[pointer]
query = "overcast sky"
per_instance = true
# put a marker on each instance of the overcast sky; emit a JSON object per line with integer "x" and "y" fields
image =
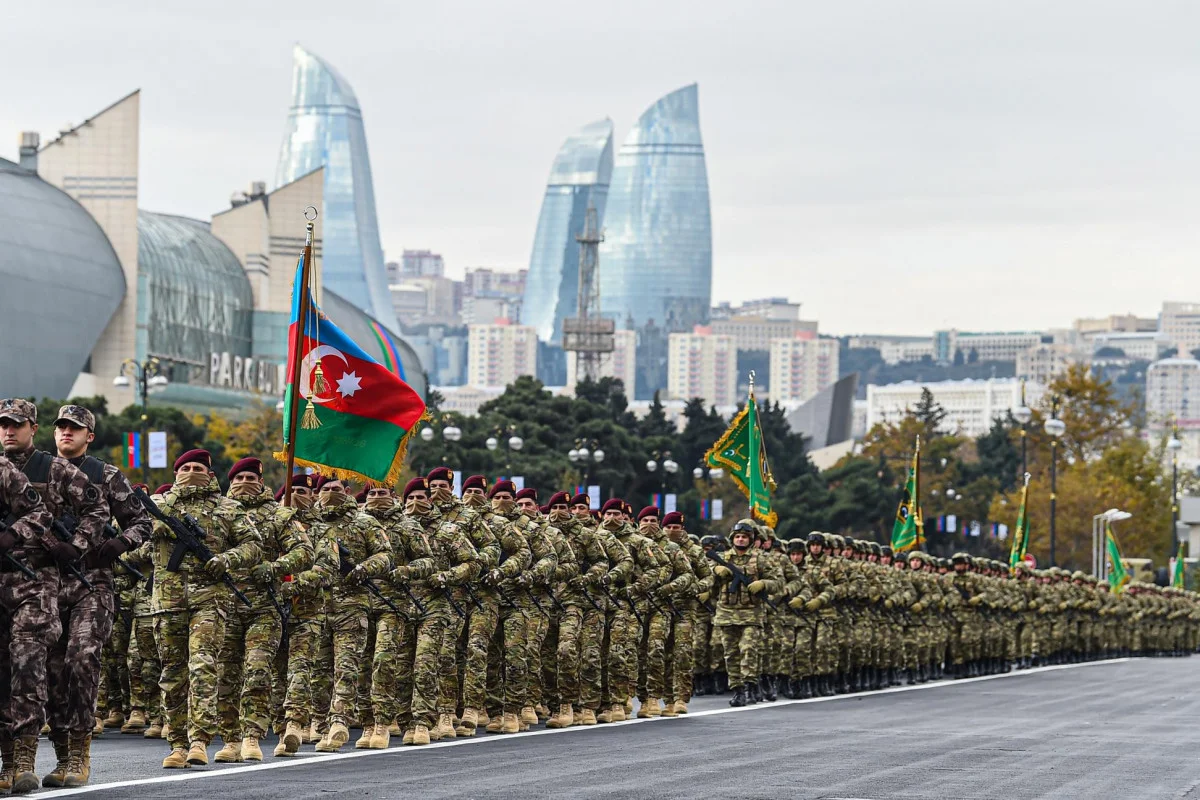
{"x": 893, "y": 166}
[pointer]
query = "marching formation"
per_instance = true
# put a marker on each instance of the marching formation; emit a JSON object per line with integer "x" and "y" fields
{"x": 193, "y": 614}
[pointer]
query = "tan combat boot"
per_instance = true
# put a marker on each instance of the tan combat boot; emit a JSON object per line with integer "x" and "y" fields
{"x": 155, "y": 731}
{"x": 495, "y": 724}
{"x": 445, "y": 726}
{"x": 681, "y": 707}
{"x": 166, "y": 731}
{"x": 281, "y": 750}
{"x": 529, "y": 716}
{"x": 586, "y": 717}
{"x": 628, "y": 708}
{"x": 553, "y": 722}
{"x": 618, "y": 712}
{"x": 136, "y": 722}
{"x": 381, "y": 737}
{"x": 394, "y": 728}
{"x": 482, "y": 718}
{"x": 99, "y": 729}
{"x": 542, "y": 711}
{"x": 62, "y": 752}
{"x": 250, "y": 749}
{"x": 313, "y": 734}
{"x": 115, "y": 719}
{"x": 79, "y": 766}
{"x": 668, "y": 709}
{"x": 176, "y": 760}
{"x": 25, "y": 780}
{"x": 364, "y": 742}
{"x": 470, "y": 721}
{"x": 338, "y": 735}
{"x": 407, "y": 738}
{"x": 231, "y": 753}
{"x": 198, "y": 753}
{"x": 292, "y": 738}
{"x": 566, "y": 715}
{"x": 509, "y": 723}
{"x": 604, "y": 716}
{"x": 9, "y": 768}
{"x": 420, "y": 735}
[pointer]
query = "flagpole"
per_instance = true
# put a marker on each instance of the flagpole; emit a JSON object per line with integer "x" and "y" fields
{"x": 297, "y": 357}
{"x": 753, "y": 418}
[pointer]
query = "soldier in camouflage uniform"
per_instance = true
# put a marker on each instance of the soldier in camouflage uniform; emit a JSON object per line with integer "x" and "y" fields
{"x": 677, "y": 586}
{"x": 87, "y": 619}
{"x": 798, "y": 661}
{"x": 191, "y": 605}
{"x": 366, "y": 546}
{"x": 818, "y": 597}
{"x": 740, "y": 607}
{"x": 483, "y": 624}
{"x": 680, "y": 647}
{"x": 705, "y": 681}
{"x": 254, "y": 634}
{"x": 487, "y": 548}
{"x": 966, "y": 641}
{"x": 80, "y": 512}
{"x": 560, "y": 668}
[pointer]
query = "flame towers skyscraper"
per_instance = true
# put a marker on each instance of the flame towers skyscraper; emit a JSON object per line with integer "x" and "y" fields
{"x": 325, "y": 129}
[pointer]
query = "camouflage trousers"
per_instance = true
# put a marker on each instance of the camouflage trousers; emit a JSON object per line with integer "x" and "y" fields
{"x": 508, "y": 665}
{"x": 145, "y": 669}
{"x": 419, "y": 654}
{"x": 652, "y": 652}
{"x": 562, "y": 681}
{"x": 73, "y": 662}
{"x": 825, "y": 657}
{"x": 188, "y": 645}
{"x": 303, "y": 640}
{"x": 591, "y": 665}
{"x": 548, "y": 663}
{"x": 322, "y": 674}
{"x": 966, "y": 643}
{"x": 624, "y": 634}
{"x": 361, "y": 710}
{"x": 803, "y": 645}
{"x": 743, "y": 652}
{"x": 391, "y": 679}
{"x": 448, "y": 680}
{"x": 29, "y": 625}
{"x": 678, "y": 658}
{"x": 701, "y": 644}
{"x": 247, "y": 654}
{"x": 772, "y": 642}
{"x": 536, "y": 630}
{"x": 116, "y": 676}
{"x": 481, "y": 627}
{"x": 348, "y": 634}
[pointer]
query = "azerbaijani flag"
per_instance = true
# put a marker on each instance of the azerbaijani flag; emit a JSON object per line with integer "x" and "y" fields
{"x": 364, "y": 412}
{"x": 133, "y": 450}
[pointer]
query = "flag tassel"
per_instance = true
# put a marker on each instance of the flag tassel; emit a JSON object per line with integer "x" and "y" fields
{"x": 309, "y": 421}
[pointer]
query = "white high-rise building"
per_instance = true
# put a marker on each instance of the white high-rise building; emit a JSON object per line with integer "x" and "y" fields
{"x": 498, "y": 354}
{"x": 802, "y": 366}
{"x": 1173, "y": 393}
{"x": 702, "y": 364}
{"x": 1180, "y": 324}
{"x": 970, "y": 405}
{"x": 620, "y": 363}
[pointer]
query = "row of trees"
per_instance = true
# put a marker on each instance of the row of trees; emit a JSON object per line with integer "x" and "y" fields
{"x": 1103, "y": 463}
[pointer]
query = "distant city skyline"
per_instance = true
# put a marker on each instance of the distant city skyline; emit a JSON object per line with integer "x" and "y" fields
{"x": 983, "y": 166}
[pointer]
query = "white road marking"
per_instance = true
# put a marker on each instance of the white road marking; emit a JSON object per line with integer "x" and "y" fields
{"x": 311, "y": 759}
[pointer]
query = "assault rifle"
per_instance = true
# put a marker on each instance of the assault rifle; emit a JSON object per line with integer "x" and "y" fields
{"x": 346, "y": 565}
{"x": 5, "y": 520}
{"x": 189, "y": 538}
{"x": 740, "y": 580}
{"x": 63, "y": 535}
{"x": 71, "y": 523}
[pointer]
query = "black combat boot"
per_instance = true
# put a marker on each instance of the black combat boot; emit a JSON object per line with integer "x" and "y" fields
{"x": 699, "y": 685}
{"x": 771, "y": 690}
{"x": 722, "y": 682}
{"x": 739, "y": 697}
{"x": 804, "y": 688}
{"x": 752, "y": 696}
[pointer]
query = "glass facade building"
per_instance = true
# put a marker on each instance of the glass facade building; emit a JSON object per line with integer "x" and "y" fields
{"x": 579, "y": 178}
{"x": 325, "y": 129}
{"x": 656, "y": 259}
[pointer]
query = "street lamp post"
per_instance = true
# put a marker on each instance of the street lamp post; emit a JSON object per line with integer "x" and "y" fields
{"x": 450, "y": 433}
{"x": 1023, "y": 414}
{"x": 669, "y": 467}
{"x": 514, "y": 442}
{"x": 708, "y": 475}
{"x": 1174, "y": 445}
{"x": 1055, "y": 428}
{"x": 581, "y": 455}
{"x": 148, "y": 376}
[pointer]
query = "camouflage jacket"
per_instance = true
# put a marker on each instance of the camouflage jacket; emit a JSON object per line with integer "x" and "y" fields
{"x": 131, "y": 518}
{"x": 701, "y": 572}
{"x": 542, "y": 561}
{"x": 651, "y": 568}
{"x": 738, "y": 606}
{"x": 366, "y": 545}
{"x": 479, "y": 533}
{"x": 285, "y": 545}
{"x": 454, "y": 559}
{"x": 591, "y": 563}
{"x": 30, "y": 517}
{"x": 227, "y": 534}
{"x": 680, "y": 582}
{"x": 515, "y": 555}
{"x": 67, "y": 491}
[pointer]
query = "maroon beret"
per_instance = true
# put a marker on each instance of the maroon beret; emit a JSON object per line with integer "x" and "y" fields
{"x": 503, "y": 486}
{"x": 325, "y": 479}
{"x": 164, "y": 488}
{"x": 305, "y": 480}
{"x": 279, "y": 494}
{"x": 673, "y": 518}
{"x": 649, "y": 511}
{"x": 529, "y": 492}
{"x": 475, "y": 482}
{"x": 559, "y": 499}
{"x": 417, "y": 483}
{"x": 628, "y": 509}
{"x": 595, "y": 513}
{"x": 441, "y": 474}
{"x": 361, "y": 497}
{"x": 615, "y": 504}
{"x": 194, "y": 456}
{"x": 247, "y": 464}
{"x": 581, "y": 500}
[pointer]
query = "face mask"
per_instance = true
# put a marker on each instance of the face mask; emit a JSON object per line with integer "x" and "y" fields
{"x": 441, "y": 496}
{"x": 241, "y": 491}
{"x": 648, "y": 527}
{"x": 191, "y": 479}
{"x": 418, "y": 508}
{"x": 302, "y": 501}
{"x": 332, "y": 498}
{"x": 503, "y": 506}
{"x": 560, "y": 516}
{"x": 612, "y": 524}
{"x": 475, "y": 500}
{"x": 379, "y": 503}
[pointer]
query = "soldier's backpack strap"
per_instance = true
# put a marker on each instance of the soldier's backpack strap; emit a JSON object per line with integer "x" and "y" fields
{"x": 37, "y": 468}
{"x": 93, "y": 468}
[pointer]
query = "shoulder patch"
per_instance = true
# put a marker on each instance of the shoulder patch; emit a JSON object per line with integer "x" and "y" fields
{"x": 91, "y": 494}
{"x": 31, "y": 495}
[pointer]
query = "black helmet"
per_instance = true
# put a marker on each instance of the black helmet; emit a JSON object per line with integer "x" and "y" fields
{"x": 817, "y": 537}
{"x": 795, "y": 545}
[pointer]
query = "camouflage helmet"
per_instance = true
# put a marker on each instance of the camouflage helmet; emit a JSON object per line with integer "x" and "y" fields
{"x": 960, "y": 558}
{"x": 709, "y": 541}
{"x": 816, "y": 537}
{"x": 1078, "y": 575}
{"x": 918, "y": 555}
{"x": 886, "y": 551}
{"x": 795, "y": 545}
{"x": 744, "y": 526}
{"x": 899, "y": 558}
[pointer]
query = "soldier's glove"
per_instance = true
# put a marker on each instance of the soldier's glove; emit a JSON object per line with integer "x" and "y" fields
{"x": 64, "y": 552}
{"x": 356, "y": 576}
{"x": 814, "y": 604}
{"x": 757, "y": 587}
{"x": 1063, "y": 606}
{"x": 663, "y": 592}
{"x": 216, "y": 567}
{"x": 976, "y": 600}
{"x": 263, "y": 573}
{"x": 8, "y": 540}
{"x": 918, "y": 606}
{"x": 703, "y": 597}
{"x": 525, "y": 580}
{"x": 401, "y": 576}
{"x": 608, "y": 578}
{"x": 889, "y": 603}
{"x": 494, "y": 577}
{"x": 797, "y": 603}
{"x": 287, "y": 591}
{"x": 635, "y": 593}
{"x": 723, "y": 571}
{"x": 441, "y": 580}
{"x": 110, "y": 551}
{"x": 578, "y": 583}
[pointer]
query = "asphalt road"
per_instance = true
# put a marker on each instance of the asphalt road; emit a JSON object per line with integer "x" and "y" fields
{"x": 1122, "y": 729}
